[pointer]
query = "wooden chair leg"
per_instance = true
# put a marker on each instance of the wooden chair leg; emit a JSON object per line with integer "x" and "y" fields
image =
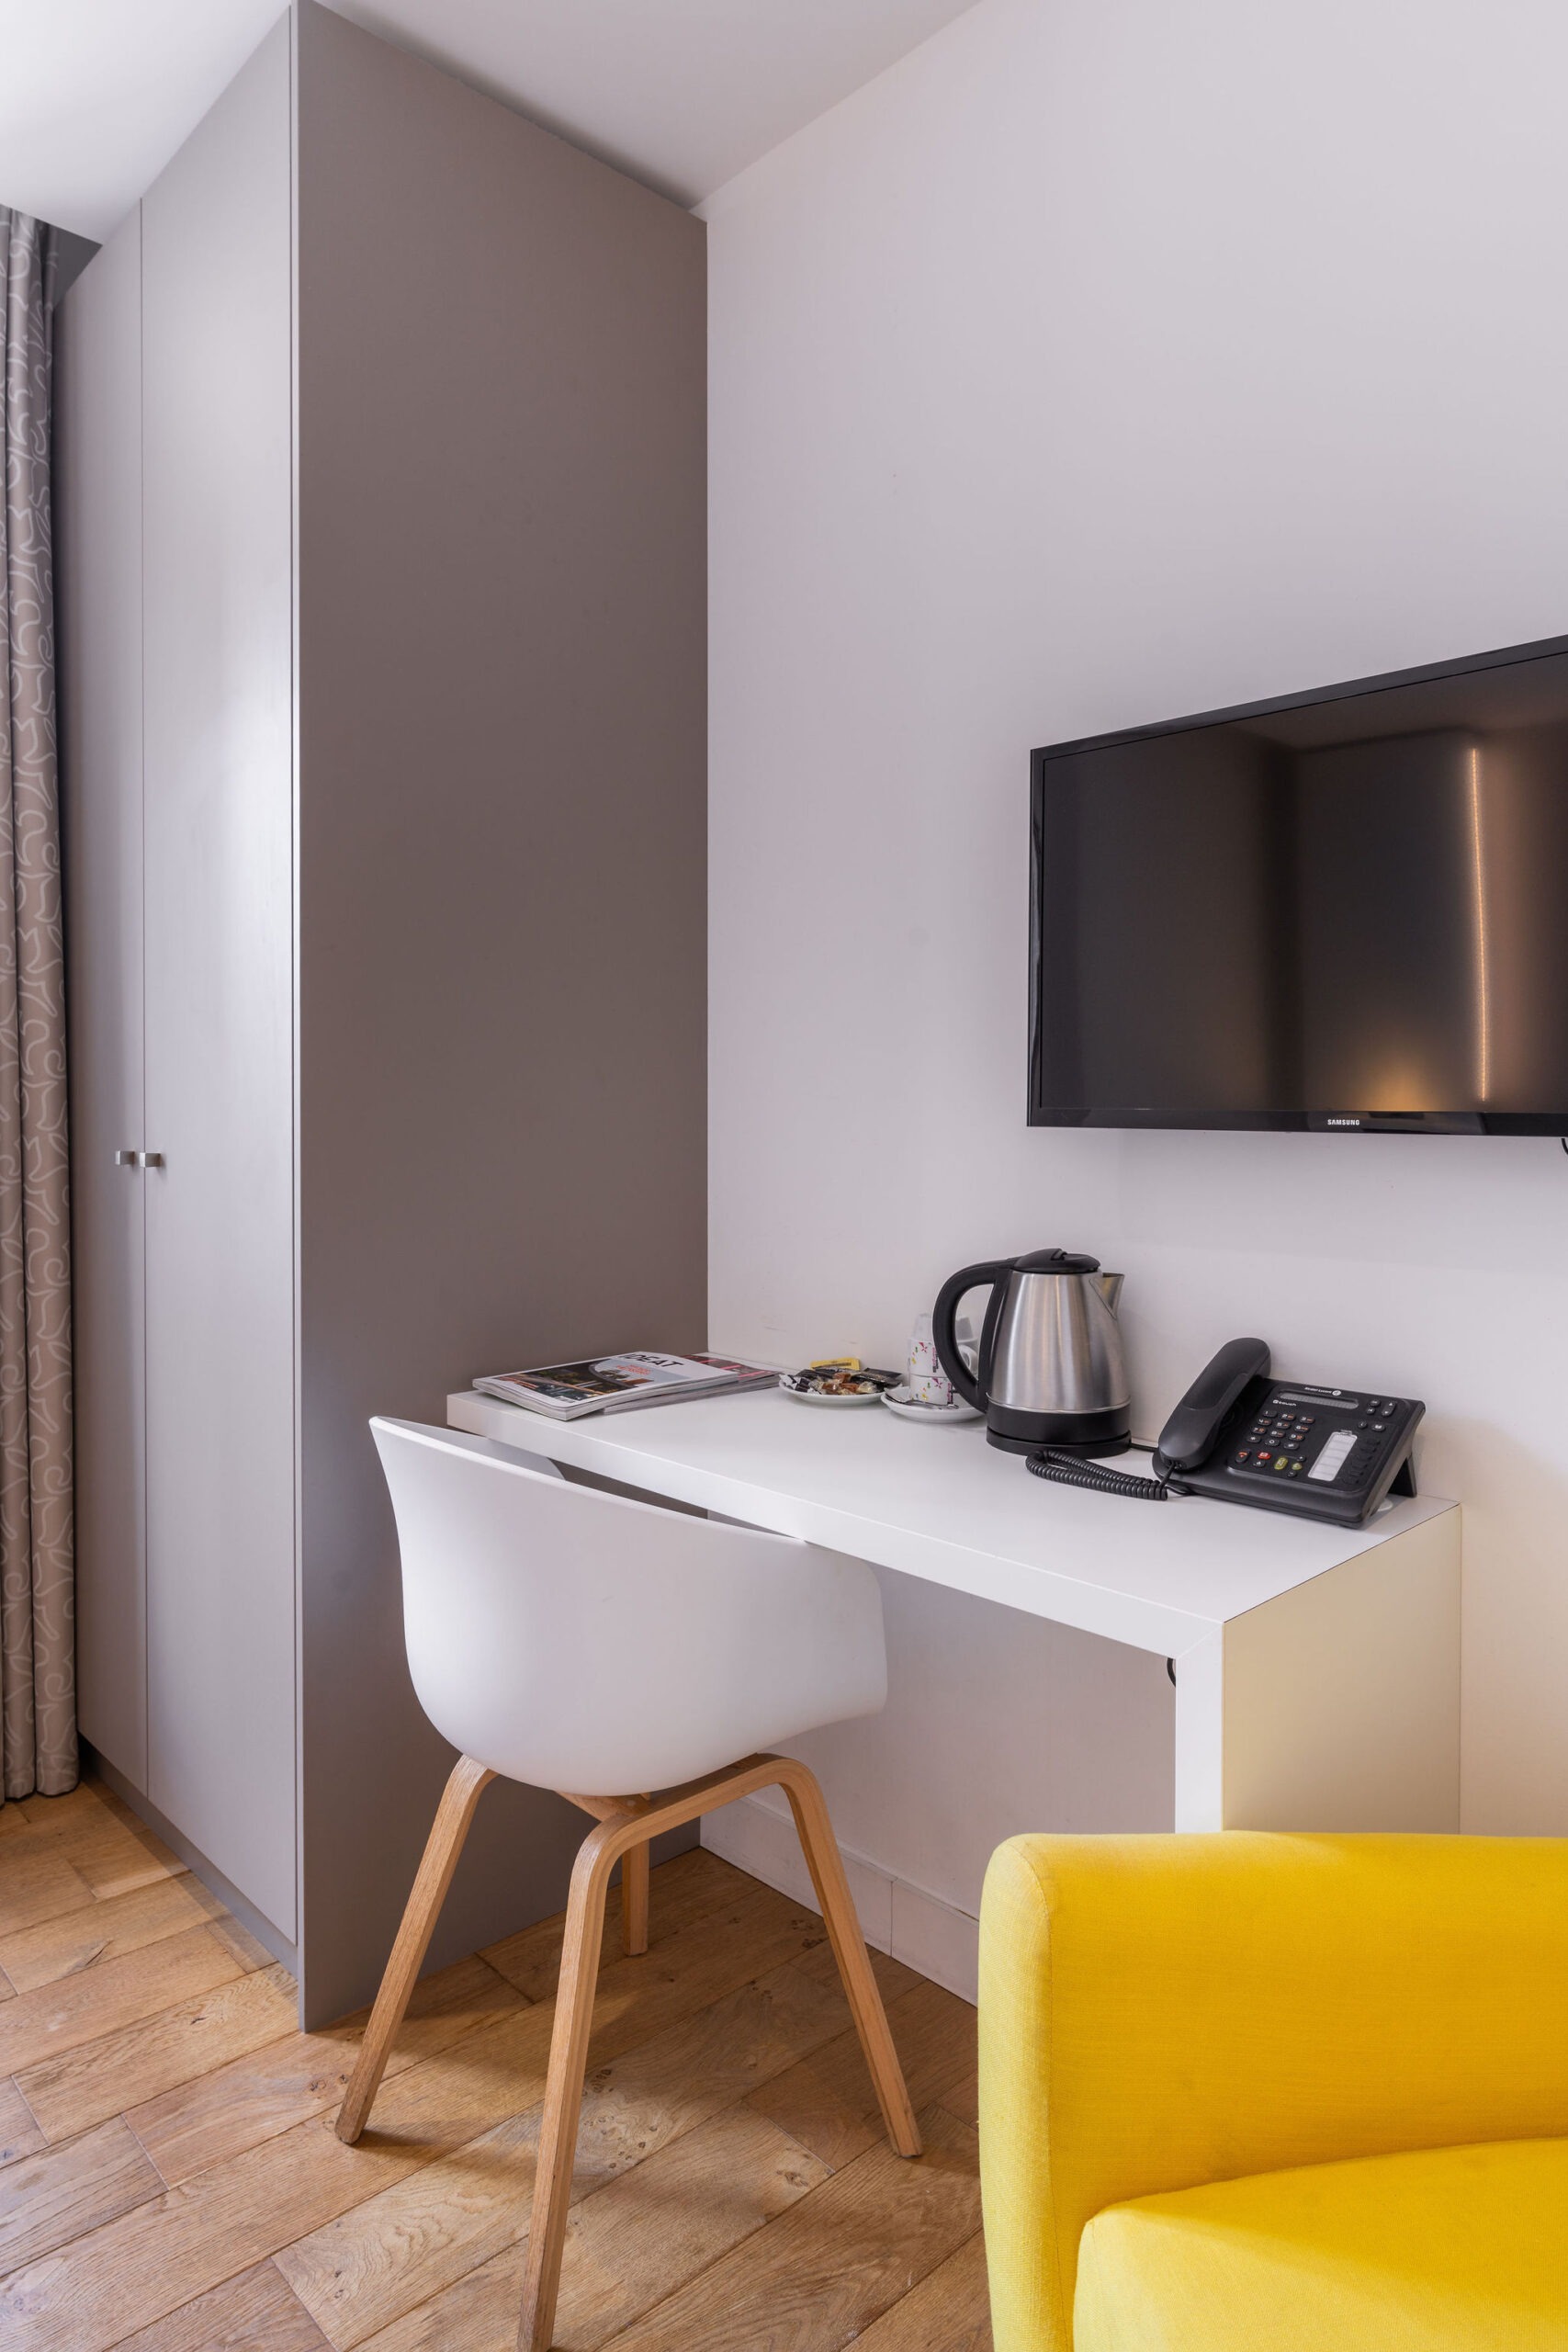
{"x": 625, "y": 1826}
{"x": 563, "y": 2083}
{"x": 634, "y": 1865}
{"x": 827, "y": 1867}
{"x": 441, "y": 1849}
{"x": 633, "y": 1901}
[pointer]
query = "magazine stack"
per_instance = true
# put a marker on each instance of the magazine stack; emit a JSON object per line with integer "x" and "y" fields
{"x": 621, "y": 1383}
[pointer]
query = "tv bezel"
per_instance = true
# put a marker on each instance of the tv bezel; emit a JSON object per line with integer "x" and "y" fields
{"x": 1350, "y": 1120}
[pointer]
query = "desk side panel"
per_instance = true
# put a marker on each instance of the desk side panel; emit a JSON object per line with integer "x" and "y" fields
{"x": 1341, "y": 1703}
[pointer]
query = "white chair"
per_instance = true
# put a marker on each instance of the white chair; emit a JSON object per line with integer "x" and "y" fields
{"x": 579, "y": 1641}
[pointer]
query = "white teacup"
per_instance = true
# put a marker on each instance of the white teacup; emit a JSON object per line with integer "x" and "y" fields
{"x": 929, "y": 1384}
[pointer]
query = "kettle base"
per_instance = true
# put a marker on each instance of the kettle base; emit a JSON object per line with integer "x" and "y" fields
{"x": 1092, "y": 1449}
{"x": 1087, "y": 1434}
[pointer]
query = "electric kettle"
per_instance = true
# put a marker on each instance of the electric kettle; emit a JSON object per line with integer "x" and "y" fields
{"x": 1051, "y": 1370}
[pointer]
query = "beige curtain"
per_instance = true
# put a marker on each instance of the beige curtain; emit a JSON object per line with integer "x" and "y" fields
{"x": 38, "y": 1692}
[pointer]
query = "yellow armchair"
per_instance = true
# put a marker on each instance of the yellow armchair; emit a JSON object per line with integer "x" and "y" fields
{"x": 1285, "y": 2093}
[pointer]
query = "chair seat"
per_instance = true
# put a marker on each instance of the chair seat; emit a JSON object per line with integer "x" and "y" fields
{"x": 1446, "y": 2250}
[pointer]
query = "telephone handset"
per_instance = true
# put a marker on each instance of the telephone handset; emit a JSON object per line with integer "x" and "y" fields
{"x": 1193, "y": 1431}
{"x": 1334, "y": 1453}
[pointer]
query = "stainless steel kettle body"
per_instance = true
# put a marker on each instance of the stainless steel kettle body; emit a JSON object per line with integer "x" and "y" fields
{"x": 1051, "y": 1369}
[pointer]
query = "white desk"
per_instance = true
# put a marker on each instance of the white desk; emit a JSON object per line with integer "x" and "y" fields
{"x": 1316, "y": 1667}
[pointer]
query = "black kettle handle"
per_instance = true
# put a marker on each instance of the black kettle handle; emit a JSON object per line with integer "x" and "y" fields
{"x": 944, "y": 1319}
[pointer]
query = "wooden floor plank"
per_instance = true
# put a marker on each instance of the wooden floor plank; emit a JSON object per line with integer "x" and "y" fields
{"x": 48, "y": 2199}
{"x": 950, "y": 2310}
{"x": 154, "y": 2054}
{"x": 217, "y": 2112}
{"x": 477, "y": 2313}
{"x": 684, "y": 1889}
{"x": 963, "y": 2097}
{"x": 630, "y": 2244}
{"x": 134, "y": 2270}
{"x": 236, "y": 2212}
{"x": 384, "y": 2257}
{"x": 254, "y": 2312}
{"x": 724, "y": 2081}
{"x": 747, "y": 1938}
{"x": 248, "y": 1950}
{"x": 114, "y": 1861}
{"x": 85, "y": 1802}
{"x": 37, "y": 1882}
{"x": 701, "y": 2063}
{"x": 20, "y": 2132}
{"x": 77, "y": 2010}
{"x": 398, "y": 2249}
{"x": 836, "y": 2261}
{"x": 107, "y": 1845}
{"x": 827, "y": 2100}
{"x": 893, "y": 1976}
{"x": 691, "y": 1887}
{"x": 83, "y": 1937}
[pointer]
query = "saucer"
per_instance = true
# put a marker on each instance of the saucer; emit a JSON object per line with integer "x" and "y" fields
{"x": 800, "y": 1384}
{"x": 899, "y": 1400}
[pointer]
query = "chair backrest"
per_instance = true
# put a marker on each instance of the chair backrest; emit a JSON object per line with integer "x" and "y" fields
{"x": 582, "y": 1641}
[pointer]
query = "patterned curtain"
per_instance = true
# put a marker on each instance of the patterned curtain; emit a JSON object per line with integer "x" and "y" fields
{"x": 38, "y": 1680}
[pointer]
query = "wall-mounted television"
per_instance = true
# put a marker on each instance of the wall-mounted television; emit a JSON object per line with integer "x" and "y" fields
{"x": 1344, "y": 909}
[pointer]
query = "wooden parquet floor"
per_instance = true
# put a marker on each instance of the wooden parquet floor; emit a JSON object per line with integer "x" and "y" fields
{"x": 170, "y": 2180}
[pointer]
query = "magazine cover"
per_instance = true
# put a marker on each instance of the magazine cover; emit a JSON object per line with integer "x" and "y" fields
{"x": 729, "y": 1375}
{"x": 604, "y": 1383}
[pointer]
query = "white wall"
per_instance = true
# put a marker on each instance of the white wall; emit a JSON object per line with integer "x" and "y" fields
{"x": 995, "y": 1722}
{"x": 1103, "y": 361}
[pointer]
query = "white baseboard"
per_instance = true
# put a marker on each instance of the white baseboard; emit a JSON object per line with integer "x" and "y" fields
{"x": 928, "y": 1935}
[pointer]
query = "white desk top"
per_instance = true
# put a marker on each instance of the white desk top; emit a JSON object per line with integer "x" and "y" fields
{"x": 943, "y": 1504}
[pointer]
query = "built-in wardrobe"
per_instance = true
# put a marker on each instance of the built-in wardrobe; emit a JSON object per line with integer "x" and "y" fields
{"x": 381, "y": 461}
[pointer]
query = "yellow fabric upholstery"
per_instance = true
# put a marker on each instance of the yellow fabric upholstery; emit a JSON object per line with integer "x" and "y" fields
{"x": 1158, "y": 2013}
{"x": 1450, "y": 2250}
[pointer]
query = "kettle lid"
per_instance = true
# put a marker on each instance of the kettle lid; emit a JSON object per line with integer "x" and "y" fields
{"x": 1055, "y": 1261}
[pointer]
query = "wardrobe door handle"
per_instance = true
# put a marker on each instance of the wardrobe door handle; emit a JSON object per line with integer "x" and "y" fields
{"x": 125, "y": 1159}
{"x": 151, "y": 1158}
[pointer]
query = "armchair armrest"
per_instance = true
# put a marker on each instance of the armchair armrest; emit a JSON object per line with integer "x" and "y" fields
{"x": 1158, "y": 2012}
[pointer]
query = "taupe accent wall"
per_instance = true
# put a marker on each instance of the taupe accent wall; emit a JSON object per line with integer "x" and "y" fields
{"x": 502, "y": 812}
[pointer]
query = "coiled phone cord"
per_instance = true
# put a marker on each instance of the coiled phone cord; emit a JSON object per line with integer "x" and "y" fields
{"x": 1071, "y": 1470}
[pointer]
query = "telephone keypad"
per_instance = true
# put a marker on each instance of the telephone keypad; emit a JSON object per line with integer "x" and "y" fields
{"x": 1340, "y": 1457}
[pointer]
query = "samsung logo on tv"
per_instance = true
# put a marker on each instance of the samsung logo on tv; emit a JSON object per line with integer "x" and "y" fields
{"x": 1342, "y": 1123}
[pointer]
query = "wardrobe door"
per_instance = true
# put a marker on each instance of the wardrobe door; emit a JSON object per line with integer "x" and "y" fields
{"x": 98, "y": 566}
{"x": 219, "y": 608}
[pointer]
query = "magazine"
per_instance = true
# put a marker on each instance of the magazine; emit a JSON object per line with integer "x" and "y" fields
{"x": 621, "y": 1383}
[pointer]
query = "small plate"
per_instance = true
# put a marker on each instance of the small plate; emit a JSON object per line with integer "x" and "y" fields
{"x": 804, "y": 1395}
{"x": 908, "y": 1408}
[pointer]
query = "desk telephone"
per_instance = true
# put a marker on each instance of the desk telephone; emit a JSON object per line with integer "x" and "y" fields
{"x": 1334, "y": 1453}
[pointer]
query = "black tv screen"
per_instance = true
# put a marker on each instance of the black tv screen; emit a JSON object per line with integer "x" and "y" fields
{"x": 1342, "y": 909}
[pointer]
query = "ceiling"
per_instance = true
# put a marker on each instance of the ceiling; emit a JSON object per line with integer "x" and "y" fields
{"x": 97, "y": 95}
